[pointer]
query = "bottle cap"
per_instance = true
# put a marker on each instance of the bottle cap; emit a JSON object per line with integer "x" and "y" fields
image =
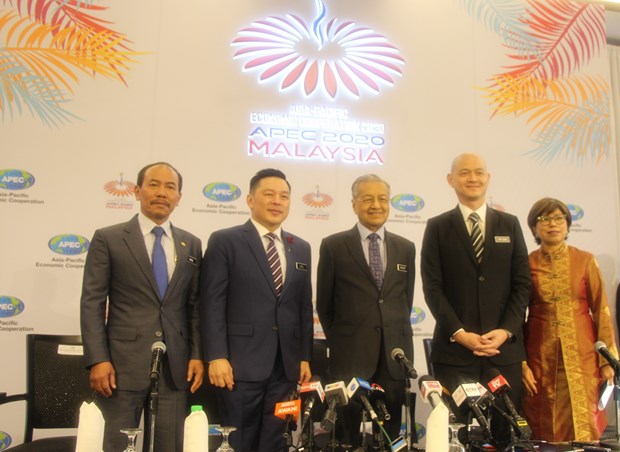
{"x": 196, "y": 408}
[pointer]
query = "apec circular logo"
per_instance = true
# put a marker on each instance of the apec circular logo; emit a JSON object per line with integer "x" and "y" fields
{"x": 5, "y": 440}
{"x": 417, "y": 315}
{"x": 10, "y": 306}
{"x": 576, "y": 212}
{"x": 407, "y": 202}
{"x": 420, "y": 429}
{"x": 15, "y": 179}
{"x": 221, "y": 191}
{"x": 69, "y": 244}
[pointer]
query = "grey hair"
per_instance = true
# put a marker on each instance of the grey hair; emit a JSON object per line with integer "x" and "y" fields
{"x": 366, "y": 178}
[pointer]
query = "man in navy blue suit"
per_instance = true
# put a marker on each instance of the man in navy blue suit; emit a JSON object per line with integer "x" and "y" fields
{"x": 256, "y": 315}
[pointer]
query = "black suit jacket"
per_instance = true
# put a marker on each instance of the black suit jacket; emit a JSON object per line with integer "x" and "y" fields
{"x": 242, "y": 319}
{"x": 353, "y": 311}
{"x": 477, "y": 297}
{"x": 118, "y": 270}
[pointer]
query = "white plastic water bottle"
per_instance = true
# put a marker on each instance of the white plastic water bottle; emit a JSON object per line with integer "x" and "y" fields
{"x": 196, "y": 433}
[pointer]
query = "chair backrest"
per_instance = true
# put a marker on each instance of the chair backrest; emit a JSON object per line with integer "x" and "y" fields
{"x": 58, "y": 382}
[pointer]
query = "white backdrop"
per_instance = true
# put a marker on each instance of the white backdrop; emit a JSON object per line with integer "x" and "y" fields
{"x": 422, "y": 72}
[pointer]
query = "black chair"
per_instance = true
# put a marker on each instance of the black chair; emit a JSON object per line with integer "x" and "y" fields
{"x": 428, "y": 346}
{"x": 57, "y": 384}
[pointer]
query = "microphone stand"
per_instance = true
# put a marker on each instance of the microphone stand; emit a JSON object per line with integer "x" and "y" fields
{"x": 615, "y": 443}
{"x": 153, "y": 407}
{"x": 411, "y": 434}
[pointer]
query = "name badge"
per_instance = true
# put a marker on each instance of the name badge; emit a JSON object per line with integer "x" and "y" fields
{"x": 192, "y": 260}
{"x": 401, "y": 267}
{"x": 502, "y": 239}
{"x": 301, "y": 266}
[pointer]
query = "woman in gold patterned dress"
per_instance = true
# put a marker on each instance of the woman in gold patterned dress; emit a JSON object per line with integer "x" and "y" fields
{"x": 568, "y": 313}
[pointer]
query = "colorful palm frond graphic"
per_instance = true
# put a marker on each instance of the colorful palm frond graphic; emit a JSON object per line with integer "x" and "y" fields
{"x": 44, "y": 46}
{"x": 549, "y": 42}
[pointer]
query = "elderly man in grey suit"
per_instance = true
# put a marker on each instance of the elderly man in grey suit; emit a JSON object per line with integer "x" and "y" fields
{"x": 365, "y": 286}
{"x": 140, "y": 287}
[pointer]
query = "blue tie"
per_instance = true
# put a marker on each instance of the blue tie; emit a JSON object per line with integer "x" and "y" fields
{"x": 160, "y": 267}
{"x": 374, "y": 258}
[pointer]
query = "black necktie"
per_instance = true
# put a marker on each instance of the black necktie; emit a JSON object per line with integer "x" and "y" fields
{"x": 160, "y": 266}
{"x": 476, "y": 236}
{"x": 274, "y": 262}
{"x": 374, "y": 259}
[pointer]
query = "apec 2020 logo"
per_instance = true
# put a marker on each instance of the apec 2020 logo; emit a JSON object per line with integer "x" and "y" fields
{"x": 221, "y": 191}
{"x": 407, "y": 202}
{"x": 69, "y": 244}
{"x": 15, "y": 179}
{"x": 10, "y": 307}
{"x": 329, "y": 56}
{"x": 576, "y": 212}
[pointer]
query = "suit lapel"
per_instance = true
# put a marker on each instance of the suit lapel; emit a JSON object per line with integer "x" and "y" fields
{"x": 135, "y": 242}
{"x": 391, "y": 250}
{"x": 291, "y": 260}
{"x": 456, "y": 218}
{"x": 182, "y": 253}
{"x": 255, "y": 243}
{"x": 354, "y": 245}
{"x": 489, "y": 234}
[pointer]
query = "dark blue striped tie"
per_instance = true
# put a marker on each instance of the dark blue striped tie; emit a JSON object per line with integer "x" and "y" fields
{"x": 274, "y": 262}
{"x": 476, "y": 236}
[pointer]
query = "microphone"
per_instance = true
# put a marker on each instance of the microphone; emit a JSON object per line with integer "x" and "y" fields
{"x": 399, "y": 355}
{"x": 158, "y": 350}
{"x": 378, "y": 396}
{"x": 358, "y": 388}
{"x": 336, "y": 395}
{"x": 309, "y": 392}
{"x": 469, "y": 393}
{"x": 601, "y": 348}
{"x": 431, "y": 391}
{"x": 500, "y": 387}
{"x": 289, "y": 412}
{"x": 439, "y": 419}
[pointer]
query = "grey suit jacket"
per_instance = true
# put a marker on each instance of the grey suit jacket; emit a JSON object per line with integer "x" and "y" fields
{"x": 354, "y": 312}
{"x": 118, "y": 271}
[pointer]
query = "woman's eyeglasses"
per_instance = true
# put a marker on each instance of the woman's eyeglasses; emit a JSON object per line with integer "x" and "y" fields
{"x": 557, "y": 219}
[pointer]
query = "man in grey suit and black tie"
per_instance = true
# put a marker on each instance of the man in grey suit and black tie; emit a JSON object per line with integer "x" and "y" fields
{"x": 365, "y": 283}
{"x": 140, "y": 287}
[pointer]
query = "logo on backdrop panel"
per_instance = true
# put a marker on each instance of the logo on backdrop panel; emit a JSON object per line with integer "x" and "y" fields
{"x": 223, "y": 198}
{"x": 318, "y": 203}
{"x": 69, "y": 251}
{"x": 406, "y": 209}
{"x": 10, "y": 306}
{"x": 323, "y": 59}
{"x": 5, "y": 440}
{"x": 122, "y": 192}
{"x": 577, "y": 213}
{"x": 13, "y": 185}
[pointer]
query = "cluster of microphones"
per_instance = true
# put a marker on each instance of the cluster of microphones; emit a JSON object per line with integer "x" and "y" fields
{"x": 480, "y": 402}
{"x": 299, "y": 408}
